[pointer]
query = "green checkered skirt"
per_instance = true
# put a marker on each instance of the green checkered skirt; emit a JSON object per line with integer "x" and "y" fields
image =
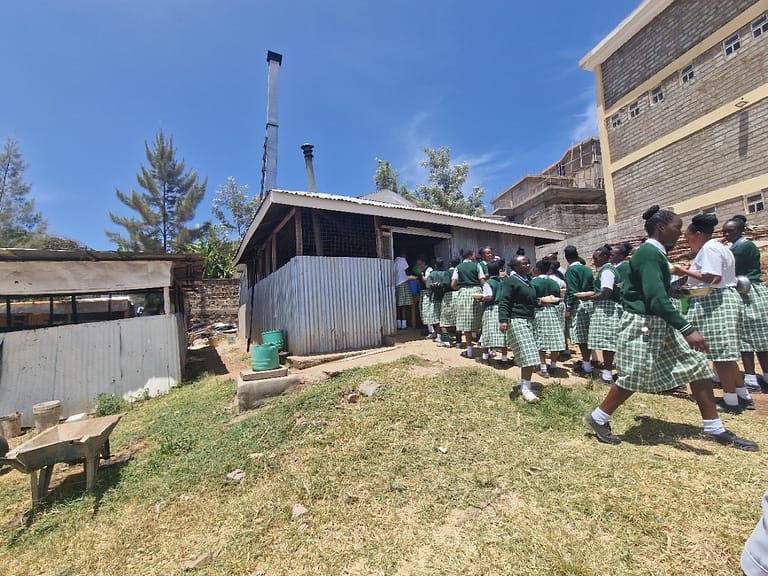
{"x": 657, "y": 359}
{"x": 717, "y": 316}
{"x": 492, "y": 336}
{"x": 469, "y": 312}
{"x": 403, "y": 294}
{"x": 753, "y": 328}
{"x": 522, "y": 342}
{"x": 580, "y": 315}
{"x": 448, "y": 310}
{"x": 549, "y": 327}
{"x": 604, "y": 325}
{"x": 430, "y": 309}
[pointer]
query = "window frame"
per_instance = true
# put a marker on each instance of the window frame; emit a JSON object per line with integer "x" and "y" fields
{"x": 687, "y": 78}
{"x": 732, "y": 43}
{"x": 657, "y": 95}
{"x": 754, "y": 203}
{"x": 616, "y": 120}
{"x": 634, "y": 109}
{"x": 759, "y": 27}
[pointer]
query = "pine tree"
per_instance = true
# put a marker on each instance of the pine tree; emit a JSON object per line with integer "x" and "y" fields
{"x": 169, "y": 202}
{"x": 19, "y": 221}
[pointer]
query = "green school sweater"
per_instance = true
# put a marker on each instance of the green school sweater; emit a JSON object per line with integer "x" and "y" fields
{"x": 578, "y": 278}
{"x": 621, "y": 271}
{"x": 747, "y": 260}
{"x": 518, "y": 299}
{"x": 468, "y": 275}
{"x": 646, "y": 288}
{"x": 545, "y": 287}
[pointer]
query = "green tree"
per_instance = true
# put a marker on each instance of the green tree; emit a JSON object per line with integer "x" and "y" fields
{"x": 444, "y": 191}
{"x": 233, "y": 209}
{"x": 169, "y": 202}
{"x": 386, "y": 179}
{"x": 20, "y": 223}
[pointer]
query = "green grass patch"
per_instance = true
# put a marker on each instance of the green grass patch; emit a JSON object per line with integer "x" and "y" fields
{"x": 438, "y": 473}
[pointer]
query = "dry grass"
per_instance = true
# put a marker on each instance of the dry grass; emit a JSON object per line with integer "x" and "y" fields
{"x": 436, "y": 474}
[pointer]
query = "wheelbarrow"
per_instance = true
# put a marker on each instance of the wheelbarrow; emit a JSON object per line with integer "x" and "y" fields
{"x": 72, "y": 443}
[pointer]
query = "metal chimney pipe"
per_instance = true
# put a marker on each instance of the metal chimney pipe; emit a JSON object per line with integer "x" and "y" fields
{"x": 269, "y": 166}
{"x": 307, "y": 149}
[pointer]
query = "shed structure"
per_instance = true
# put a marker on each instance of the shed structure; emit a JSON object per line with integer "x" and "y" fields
{"x": 74, "y": 324}
{"x": 320, "y": 266}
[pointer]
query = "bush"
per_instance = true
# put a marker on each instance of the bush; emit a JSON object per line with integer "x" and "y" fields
{"x": 107, "y": 404}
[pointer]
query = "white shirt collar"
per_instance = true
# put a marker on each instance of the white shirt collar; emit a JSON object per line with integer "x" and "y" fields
{"x": 656, "y": 244}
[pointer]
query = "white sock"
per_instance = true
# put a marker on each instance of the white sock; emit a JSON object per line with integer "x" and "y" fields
{"x": 543, "y": 367}
{"x": 485, "y": 356}
{"x": 553, "y": 365}
{"x": 750, "y": 380}
{"x": 586, "y": 366}
{"x": 713, "y": 426}
{"x": 431, "y": 328}
{"x": 743, "y": 393}
{"x": 525, "y": 385}
{"x": 600, "y": 417}
{"x": 504, "y": 358}
{"x": 731, "y": 398}
{"x": 607, "y": 375}
{"x": 469, "y": 351}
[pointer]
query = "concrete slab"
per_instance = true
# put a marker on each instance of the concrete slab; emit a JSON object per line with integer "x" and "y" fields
{"x": 249, "y": 375}
{"x": 252, "y": 394}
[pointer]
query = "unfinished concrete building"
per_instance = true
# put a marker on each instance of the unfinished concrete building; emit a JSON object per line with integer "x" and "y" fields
{"x": 568, "y": 196}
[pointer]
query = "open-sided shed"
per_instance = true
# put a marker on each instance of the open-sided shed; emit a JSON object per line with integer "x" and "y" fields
{"x": 74, "y": 324}
{"x": 319, "y": 266}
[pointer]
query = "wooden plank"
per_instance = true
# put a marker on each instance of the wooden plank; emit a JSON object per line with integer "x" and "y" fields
{"x": 299, "y": 234}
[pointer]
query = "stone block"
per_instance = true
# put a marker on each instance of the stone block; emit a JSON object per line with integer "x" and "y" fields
{"x": 252, "y": 394}
{"x": 250, "y": 375}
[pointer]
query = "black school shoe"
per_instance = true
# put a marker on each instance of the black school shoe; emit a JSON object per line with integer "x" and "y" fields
{"x": 602, "y": 431}
{"x": 746, "y": 404}
{"x": 727, "y": 408}
{"x": 728, "y": 438}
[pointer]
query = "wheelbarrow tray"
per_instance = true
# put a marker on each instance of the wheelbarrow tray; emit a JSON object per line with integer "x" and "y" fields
{"x": 69, "y": 442}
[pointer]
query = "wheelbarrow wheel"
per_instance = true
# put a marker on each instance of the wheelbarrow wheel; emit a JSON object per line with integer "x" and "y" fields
{"x": 3, "y": 446}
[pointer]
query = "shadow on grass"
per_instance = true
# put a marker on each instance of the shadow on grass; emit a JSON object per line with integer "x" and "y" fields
{"x": 654, "y": 432}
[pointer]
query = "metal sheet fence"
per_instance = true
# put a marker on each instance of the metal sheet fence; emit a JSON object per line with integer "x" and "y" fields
{"x": 327, "y": 304}
{"x": 75, "y": 363}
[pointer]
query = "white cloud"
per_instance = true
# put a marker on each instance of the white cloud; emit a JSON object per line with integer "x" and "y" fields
{"x": 586, "y": 125}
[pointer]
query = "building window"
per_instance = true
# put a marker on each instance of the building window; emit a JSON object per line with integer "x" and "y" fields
{"x": 760, "y": 26}
{"x": 710, "y": 210}
{"x": 561, "y": 169}
{"x": 755, "y": 203}
{"x": 657, "y": 95}
{"x": 615, "y": 120}
{"x": 686, "y": 75}
{"x": 634, "y": 110}
{"x": 731, "y": 45}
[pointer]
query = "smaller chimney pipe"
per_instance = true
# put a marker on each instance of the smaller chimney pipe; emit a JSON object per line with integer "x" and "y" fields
{"x": 307, "y": 149}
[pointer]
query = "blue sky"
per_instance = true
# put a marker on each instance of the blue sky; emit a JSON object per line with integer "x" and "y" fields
{"x": 87, "y": 82}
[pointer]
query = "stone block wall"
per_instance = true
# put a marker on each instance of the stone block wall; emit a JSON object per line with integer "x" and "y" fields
{"x": 683, "y": 25}
{"x": 570, "y": 218}
{"x": 717, "y": 81}
{"x": 217, "y": 300}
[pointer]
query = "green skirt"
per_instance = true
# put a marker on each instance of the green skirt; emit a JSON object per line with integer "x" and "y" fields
{"x": 581, "y": 313}
{"x": 492, "y": 336}
{"x": 657, "y": 358}
{"x": 549, "y": 328}
{"x": 717, "y": 316}
{"x": 469, "y": 312}
{"x": 604, "y": 325}
{"x": 522, "y": 342}
{"x": 448, "y": 310}
{"x": 753, "y": 328}
{"x": 403, "y": 294}
{"x": 430, "y": 308}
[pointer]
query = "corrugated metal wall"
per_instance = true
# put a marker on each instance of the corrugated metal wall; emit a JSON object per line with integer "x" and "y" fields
{"x": 326, "y": 304}
{"x": 504, "y": 245}
{"x": 75, "y": 363}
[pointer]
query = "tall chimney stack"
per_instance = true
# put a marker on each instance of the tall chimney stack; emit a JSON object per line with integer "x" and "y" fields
{"x": 307, "y": 148}
{"x": 269, "y": 165}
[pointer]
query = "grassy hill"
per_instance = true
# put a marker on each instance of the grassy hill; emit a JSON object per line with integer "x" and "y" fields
{"x": 438, "y": 473}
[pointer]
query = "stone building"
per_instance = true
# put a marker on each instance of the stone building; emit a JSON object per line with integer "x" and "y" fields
{"x": 682, "y": 100}
{"x": 568, "y": 196}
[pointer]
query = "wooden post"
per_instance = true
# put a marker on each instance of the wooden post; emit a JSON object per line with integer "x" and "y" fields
{"x": 273, "y": 241}
{"x": 317, "y": 233}
{"x": 299, "y": 234}
{"x": 377, "y": 231}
